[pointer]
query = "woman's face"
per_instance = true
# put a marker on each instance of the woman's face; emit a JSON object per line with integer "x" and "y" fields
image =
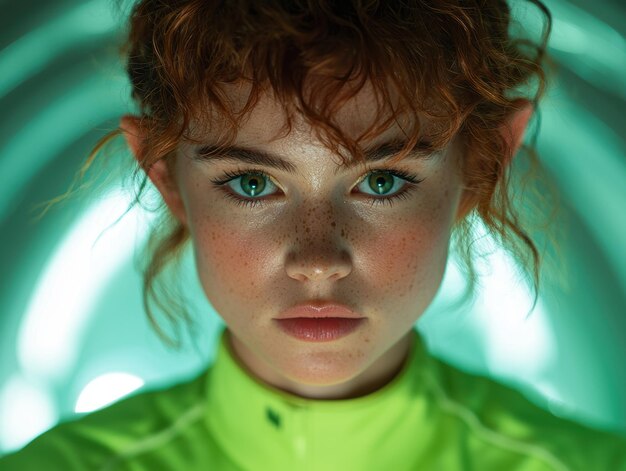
{"x": 319, "y": 234}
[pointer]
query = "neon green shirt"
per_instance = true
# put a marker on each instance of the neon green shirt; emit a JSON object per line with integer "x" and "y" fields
{"x": 431, "y": 416}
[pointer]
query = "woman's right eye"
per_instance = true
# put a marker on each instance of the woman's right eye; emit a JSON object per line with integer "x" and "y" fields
{"x": 251, "y": 182}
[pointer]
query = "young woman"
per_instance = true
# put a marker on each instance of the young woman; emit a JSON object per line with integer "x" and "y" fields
{"x": 320, "y": 156}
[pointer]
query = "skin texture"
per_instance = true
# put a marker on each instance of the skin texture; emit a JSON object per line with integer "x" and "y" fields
{"x": 317, "y": 237}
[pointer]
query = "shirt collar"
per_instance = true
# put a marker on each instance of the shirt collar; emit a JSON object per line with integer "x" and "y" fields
{"x": 261, "y": 427}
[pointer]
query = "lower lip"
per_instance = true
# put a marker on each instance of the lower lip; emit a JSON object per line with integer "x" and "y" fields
{"x": 319, "y": 329}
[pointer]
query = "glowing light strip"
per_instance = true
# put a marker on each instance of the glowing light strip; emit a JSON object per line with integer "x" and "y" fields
{"x": 26, "y": 57}
{"x": 60, "y": 123}
{"x": 65, "y": 294}
{"x": 495, "y": 320}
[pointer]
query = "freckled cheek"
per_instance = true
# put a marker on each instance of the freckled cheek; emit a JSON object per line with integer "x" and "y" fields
{"x": 230, "y": 261}
{"x": 411, "y": 256}
{"x": 404, "y": 253}
{"x": 224, "y": 257}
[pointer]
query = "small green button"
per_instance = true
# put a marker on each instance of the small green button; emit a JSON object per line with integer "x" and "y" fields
{"x": 273, "y": 417}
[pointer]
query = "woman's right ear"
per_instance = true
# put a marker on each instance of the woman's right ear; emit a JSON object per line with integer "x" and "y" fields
{"x": 158, "y": 172}
{"x": 131, "y": 130}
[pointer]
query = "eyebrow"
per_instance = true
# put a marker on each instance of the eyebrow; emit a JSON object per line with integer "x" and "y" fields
{"x": 211, "y": 153}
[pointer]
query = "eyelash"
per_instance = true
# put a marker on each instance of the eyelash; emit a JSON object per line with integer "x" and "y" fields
{"x": 404, "y": 193}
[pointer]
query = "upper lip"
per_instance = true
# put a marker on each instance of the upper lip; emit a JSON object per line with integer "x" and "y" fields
{"x": 319, "y": 308}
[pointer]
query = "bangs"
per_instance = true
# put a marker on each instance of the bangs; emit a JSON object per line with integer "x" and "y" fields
{"x": 312, "y": 59}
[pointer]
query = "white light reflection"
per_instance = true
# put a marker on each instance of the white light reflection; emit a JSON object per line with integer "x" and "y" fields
{"x": 106, "y": 389}
{"x": 495, "y": 334}
{"x": 26, "y": 411}
{"x": 70, "y": 285}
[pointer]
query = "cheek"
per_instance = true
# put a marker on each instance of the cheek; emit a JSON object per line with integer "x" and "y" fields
{"x": 409, "y": 258}
{"x": 229, "y": 261}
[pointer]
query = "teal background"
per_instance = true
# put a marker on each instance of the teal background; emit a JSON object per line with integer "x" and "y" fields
{"x": 70, "y": 306}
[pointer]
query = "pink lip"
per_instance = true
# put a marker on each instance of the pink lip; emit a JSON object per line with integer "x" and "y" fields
{"x": 319, "y": 309}
{"x": 320, "y": 330}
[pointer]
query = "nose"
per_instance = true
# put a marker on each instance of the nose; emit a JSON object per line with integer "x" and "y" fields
{"x": 319, "y": 258}
{"x": 317, "y": 268}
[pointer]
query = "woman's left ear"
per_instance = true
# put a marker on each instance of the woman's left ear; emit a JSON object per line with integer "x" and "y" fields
{"x": 513, "y": 132}
{"x": 513, "y": 129}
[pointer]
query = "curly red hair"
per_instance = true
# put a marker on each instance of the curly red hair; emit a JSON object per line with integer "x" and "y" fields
{"x": 453, "y": 62}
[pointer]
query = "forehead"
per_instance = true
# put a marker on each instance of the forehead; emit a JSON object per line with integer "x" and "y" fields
{"x": 267, "y": 120}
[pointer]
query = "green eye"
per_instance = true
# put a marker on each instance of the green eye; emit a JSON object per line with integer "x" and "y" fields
{"x": 382, "y": 182}
{"x": 252, "y": 184}
{"x": 388, "y": 183}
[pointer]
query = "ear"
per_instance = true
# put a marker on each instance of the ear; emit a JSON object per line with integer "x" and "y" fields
{"x": 514, "y": 127}
{"x": 158, "y": 173}
{"x": 512, "y": 130}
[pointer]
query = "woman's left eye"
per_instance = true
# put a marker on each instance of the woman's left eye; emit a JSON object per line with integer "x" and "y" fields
{"x": 380, "y": 182}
